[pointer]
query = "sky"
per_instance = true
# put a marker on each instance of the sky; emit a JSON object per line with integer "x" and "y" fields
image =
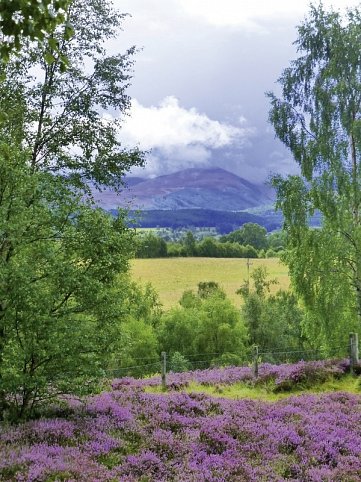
{"x": 200, "y": 77}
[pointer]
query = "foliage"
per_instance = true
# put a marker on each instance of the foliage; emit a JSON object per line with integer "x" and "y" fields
{"x": 175, "y": 250}
{"x": 248, "y": 242}
{"x": 58, "y": 117}
{"x": 207, "y": 288}
{"x": 135, "y": 338}
{"x": 60, "y": 258}
{"x": 206, "y": 324}
{"x": 272, "y": 320}
{"x": 251, "y": 234}
{"x": 178, "y": 331}
{"x": 318, "y": 119}
{"x": 189, "y": 299}
{"x": 276, "y": 240}
{"x": 59, "y": 297}
{"x": 209, "y": 247}
{"x": 137, "y": 348}
{"x": 178, "y": 363}
{"x": 189, "y": 243}
{"x": 270, "y": 253}
{"x": 261, "y": 283}
{"x": 151, "y": 246}
{"x": 142, "y": 302}
{"x": 222, "y": 330}
{"x": 33, "y": 20}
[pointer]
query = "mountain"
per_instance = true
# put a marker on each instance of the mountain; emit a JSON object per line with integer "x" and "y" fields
{"x": 133, "y": 181}
{"x": 212, "y": 189}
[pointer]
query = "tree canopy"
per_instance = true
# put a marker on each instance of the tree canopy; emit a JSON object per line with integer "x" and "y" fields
{"x": 251, "y": 234}
{"x": 206, "y": 323}
{"x": 318, "y": 117}
{"x": 64, "y": 286}
{"x": 60, "y": 300}
{"x": 30, "y": 19}
{"x": 60, "y": 117}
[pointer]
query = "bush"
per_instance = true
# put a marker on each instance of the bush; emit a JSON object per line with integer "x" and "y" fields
{"x": 271, "y": 253}
{"x": 178, "y": 363}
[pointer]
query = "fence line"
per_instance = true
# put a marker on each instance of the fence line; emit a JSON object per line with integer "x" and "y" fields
{"x": 162, "y": 365}
{"x": 319, "y": 350}
{"x": 137, "y": 366}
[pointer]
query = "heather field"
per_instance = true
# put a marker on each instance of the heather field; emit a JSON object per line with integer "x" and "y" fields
{"x": 129, "y": 434}
{"x": 172, "y": 276}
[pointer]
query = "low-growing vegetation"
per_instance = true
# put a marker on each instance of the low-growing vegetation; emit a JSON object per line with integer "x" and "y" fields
{"x": 129, "y": 434}
{"x": 285, "y": 377}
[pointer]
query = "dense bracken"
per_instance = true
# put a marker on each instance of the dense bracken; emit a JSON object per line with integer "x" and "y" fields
{"x": 129, "y": 435}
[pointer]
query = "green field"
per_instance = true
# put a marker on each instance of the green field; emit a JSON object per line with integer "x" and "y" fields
{"x": 172, "y": 276}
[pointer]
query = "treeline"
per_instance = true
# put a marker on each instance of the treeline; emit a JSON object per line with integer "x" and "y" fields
{"x": 223, "y": 221}
{"x": 250, "y": 241}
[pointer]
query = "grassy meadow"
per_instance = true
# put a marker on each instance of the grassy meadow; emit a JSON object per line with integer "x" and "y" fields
{"x": 241, "y": 390}
{"x": 172, "y": 276}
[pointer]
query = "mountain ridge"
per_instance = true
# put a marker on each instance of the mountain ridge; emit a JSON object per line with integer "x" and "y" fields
{"x": 193, "y": 188}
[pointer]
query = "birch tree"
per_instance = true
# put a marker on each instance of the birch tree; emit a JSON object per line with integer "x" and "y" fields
{"x": 318, "y": 117}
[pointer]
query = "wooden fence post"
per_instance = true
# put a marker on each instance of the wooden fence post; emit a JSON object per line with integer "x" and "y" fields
{"x": 353, "y": 351}
{"x": 164, "y": 370}
{"x": 255, "y": 361}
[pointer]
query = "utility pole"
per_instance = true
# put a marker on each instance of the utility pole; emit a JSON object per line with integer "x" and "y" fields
{"x": 248, "y": 263}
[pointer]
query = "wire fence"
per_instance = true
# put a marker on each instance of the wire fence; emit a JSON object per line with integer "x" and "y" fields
{"x": 177, "y": 362}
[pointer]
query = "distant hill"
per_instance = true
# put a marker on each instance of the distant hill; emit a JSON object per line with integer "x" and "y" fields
{"x": 133, "y": 181}
{"x": 212, "y": 189}
{"x": 223, "y": 221}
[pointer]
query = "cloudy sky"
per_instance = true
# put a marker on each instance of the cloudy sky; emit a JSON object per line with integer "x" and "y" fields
{"x": 200, "y": 81}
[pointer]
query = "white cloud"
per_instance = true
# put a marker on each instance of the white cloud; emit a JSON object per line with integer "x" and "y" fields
{"x": 251, "y": 14}
{"x": 157, "y": 16}
{"x": 169, "y": 125}
{"x": 178, "y": 137}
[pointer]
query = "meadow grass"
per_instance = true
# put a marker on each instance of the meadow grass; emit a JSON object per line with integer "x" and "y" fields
{"x": 172, "y": 276}
{"x": 241, "y": 390}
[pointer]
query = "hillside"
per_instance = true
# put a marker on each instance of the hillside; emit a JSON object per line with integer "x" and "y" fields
{"x": 212, "y": 188}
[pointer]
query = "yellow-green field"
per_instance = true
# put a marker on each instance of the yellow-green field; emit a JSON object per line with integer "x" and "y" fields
{"x": 172, "y": 276}
{"x": 240, "y": 390}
